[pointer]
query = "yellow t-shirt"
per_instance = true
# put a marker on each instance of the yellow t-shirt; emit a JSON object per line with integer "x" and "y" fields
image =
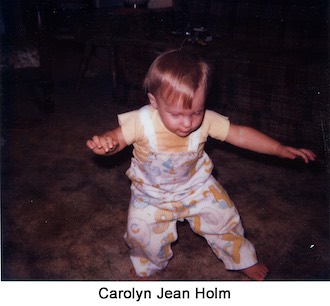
{"x": 213, "y": 125}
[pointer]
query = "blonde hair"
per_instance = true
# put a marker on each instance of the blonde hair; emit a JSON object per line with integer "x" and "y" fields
{"x": 175, "y": 76}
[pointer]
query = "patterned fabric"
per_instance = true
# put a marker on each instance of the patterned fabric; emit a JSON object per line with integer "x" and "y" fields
{"x": 175, "y": 186}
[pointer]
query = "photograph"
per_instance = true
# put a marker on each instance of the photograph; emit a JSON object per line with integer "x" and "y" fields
{"x": 165, "y": 141}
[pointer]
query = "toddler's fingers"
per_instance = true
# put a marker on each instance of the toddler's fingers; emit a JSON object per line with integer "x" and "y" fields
{"x": 97, "y": 141}
{"x": 104, "y": 144}
{"x": 90, "y": 144}
{"x": 304, "y": 154}
{"x": 112, "y": 144}
{"x": 108, "y": 143}
{"x": 310, "y": 155}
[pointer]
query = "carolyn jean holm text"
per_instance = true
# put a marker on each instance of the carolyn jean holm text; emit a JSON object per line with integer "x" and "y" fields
{"x": 198, "y": 293}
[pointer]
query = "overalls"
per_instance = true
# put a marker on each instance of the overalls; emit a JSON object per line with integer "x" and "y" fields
{"x": 175, "y": 186}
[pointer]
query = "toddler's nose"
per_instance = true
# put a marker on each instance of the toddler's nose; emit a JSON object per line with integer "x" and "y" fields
{"x": 186, "y": 121}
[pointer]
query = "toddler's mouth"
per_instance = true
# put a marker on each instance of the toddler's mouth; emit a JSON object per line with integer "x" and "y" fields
{"x": 183, "y": 133}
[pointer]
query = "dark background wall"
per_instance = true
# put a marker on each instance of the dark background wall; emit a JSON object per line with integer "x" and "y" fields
{"x": 275, "y": 76}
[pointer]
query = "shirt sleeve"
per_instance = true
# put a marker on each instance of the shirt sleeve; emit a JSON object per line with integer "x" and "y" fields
{"x": 217, "y": 125}
{"x": 129, "y": 125}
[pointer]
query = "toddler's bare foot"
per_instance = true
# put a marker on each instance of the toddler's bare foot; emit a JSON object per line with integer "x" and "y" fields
{"x": 136, "y": 277}
{"x": 257, "y": 272}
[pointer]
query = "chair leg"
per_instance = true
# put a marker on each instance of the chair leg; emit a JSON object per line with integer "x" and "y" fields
{"x": 113, "y": 69}
{"x": 84, "y": 65}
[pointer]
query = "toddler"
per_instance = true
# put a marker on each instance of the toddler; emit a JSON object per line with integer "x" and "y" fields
{"x": 170, "y": 173}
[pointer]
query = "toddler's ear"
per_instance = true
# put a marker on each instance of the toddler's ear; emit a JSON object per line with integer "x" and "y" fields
{"x": 152, "y": 100}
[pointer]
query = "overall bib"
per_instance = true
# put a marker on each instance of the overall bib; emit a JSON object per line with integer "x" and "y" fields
{"x": 169, "y": 187}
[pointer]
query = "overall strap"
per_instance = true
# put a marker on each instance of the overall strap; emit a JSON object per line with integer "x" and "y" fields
{"x": 194, "y": 139}
{"x": 149, "y": 130}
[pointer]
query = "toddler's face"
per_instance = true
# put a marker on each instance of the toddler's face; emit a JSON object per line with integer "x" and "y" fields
{"x": 179, "y": 120}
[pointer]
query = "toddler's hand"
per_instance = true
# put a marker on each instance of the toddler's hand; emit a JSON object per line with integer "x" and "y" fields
{"x": 102, "y": 144}
{"x": 292, "y": 153}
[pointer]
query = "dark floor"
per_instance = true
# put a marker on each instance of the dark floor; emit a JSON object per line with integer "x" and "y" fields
{"x": 64, "y": 209}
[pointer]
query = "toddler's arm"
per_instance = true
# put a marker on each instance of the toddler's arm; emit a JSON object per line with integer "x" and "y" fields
{"x": 110, "y": 142}
{"x": 251, "y": 139}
